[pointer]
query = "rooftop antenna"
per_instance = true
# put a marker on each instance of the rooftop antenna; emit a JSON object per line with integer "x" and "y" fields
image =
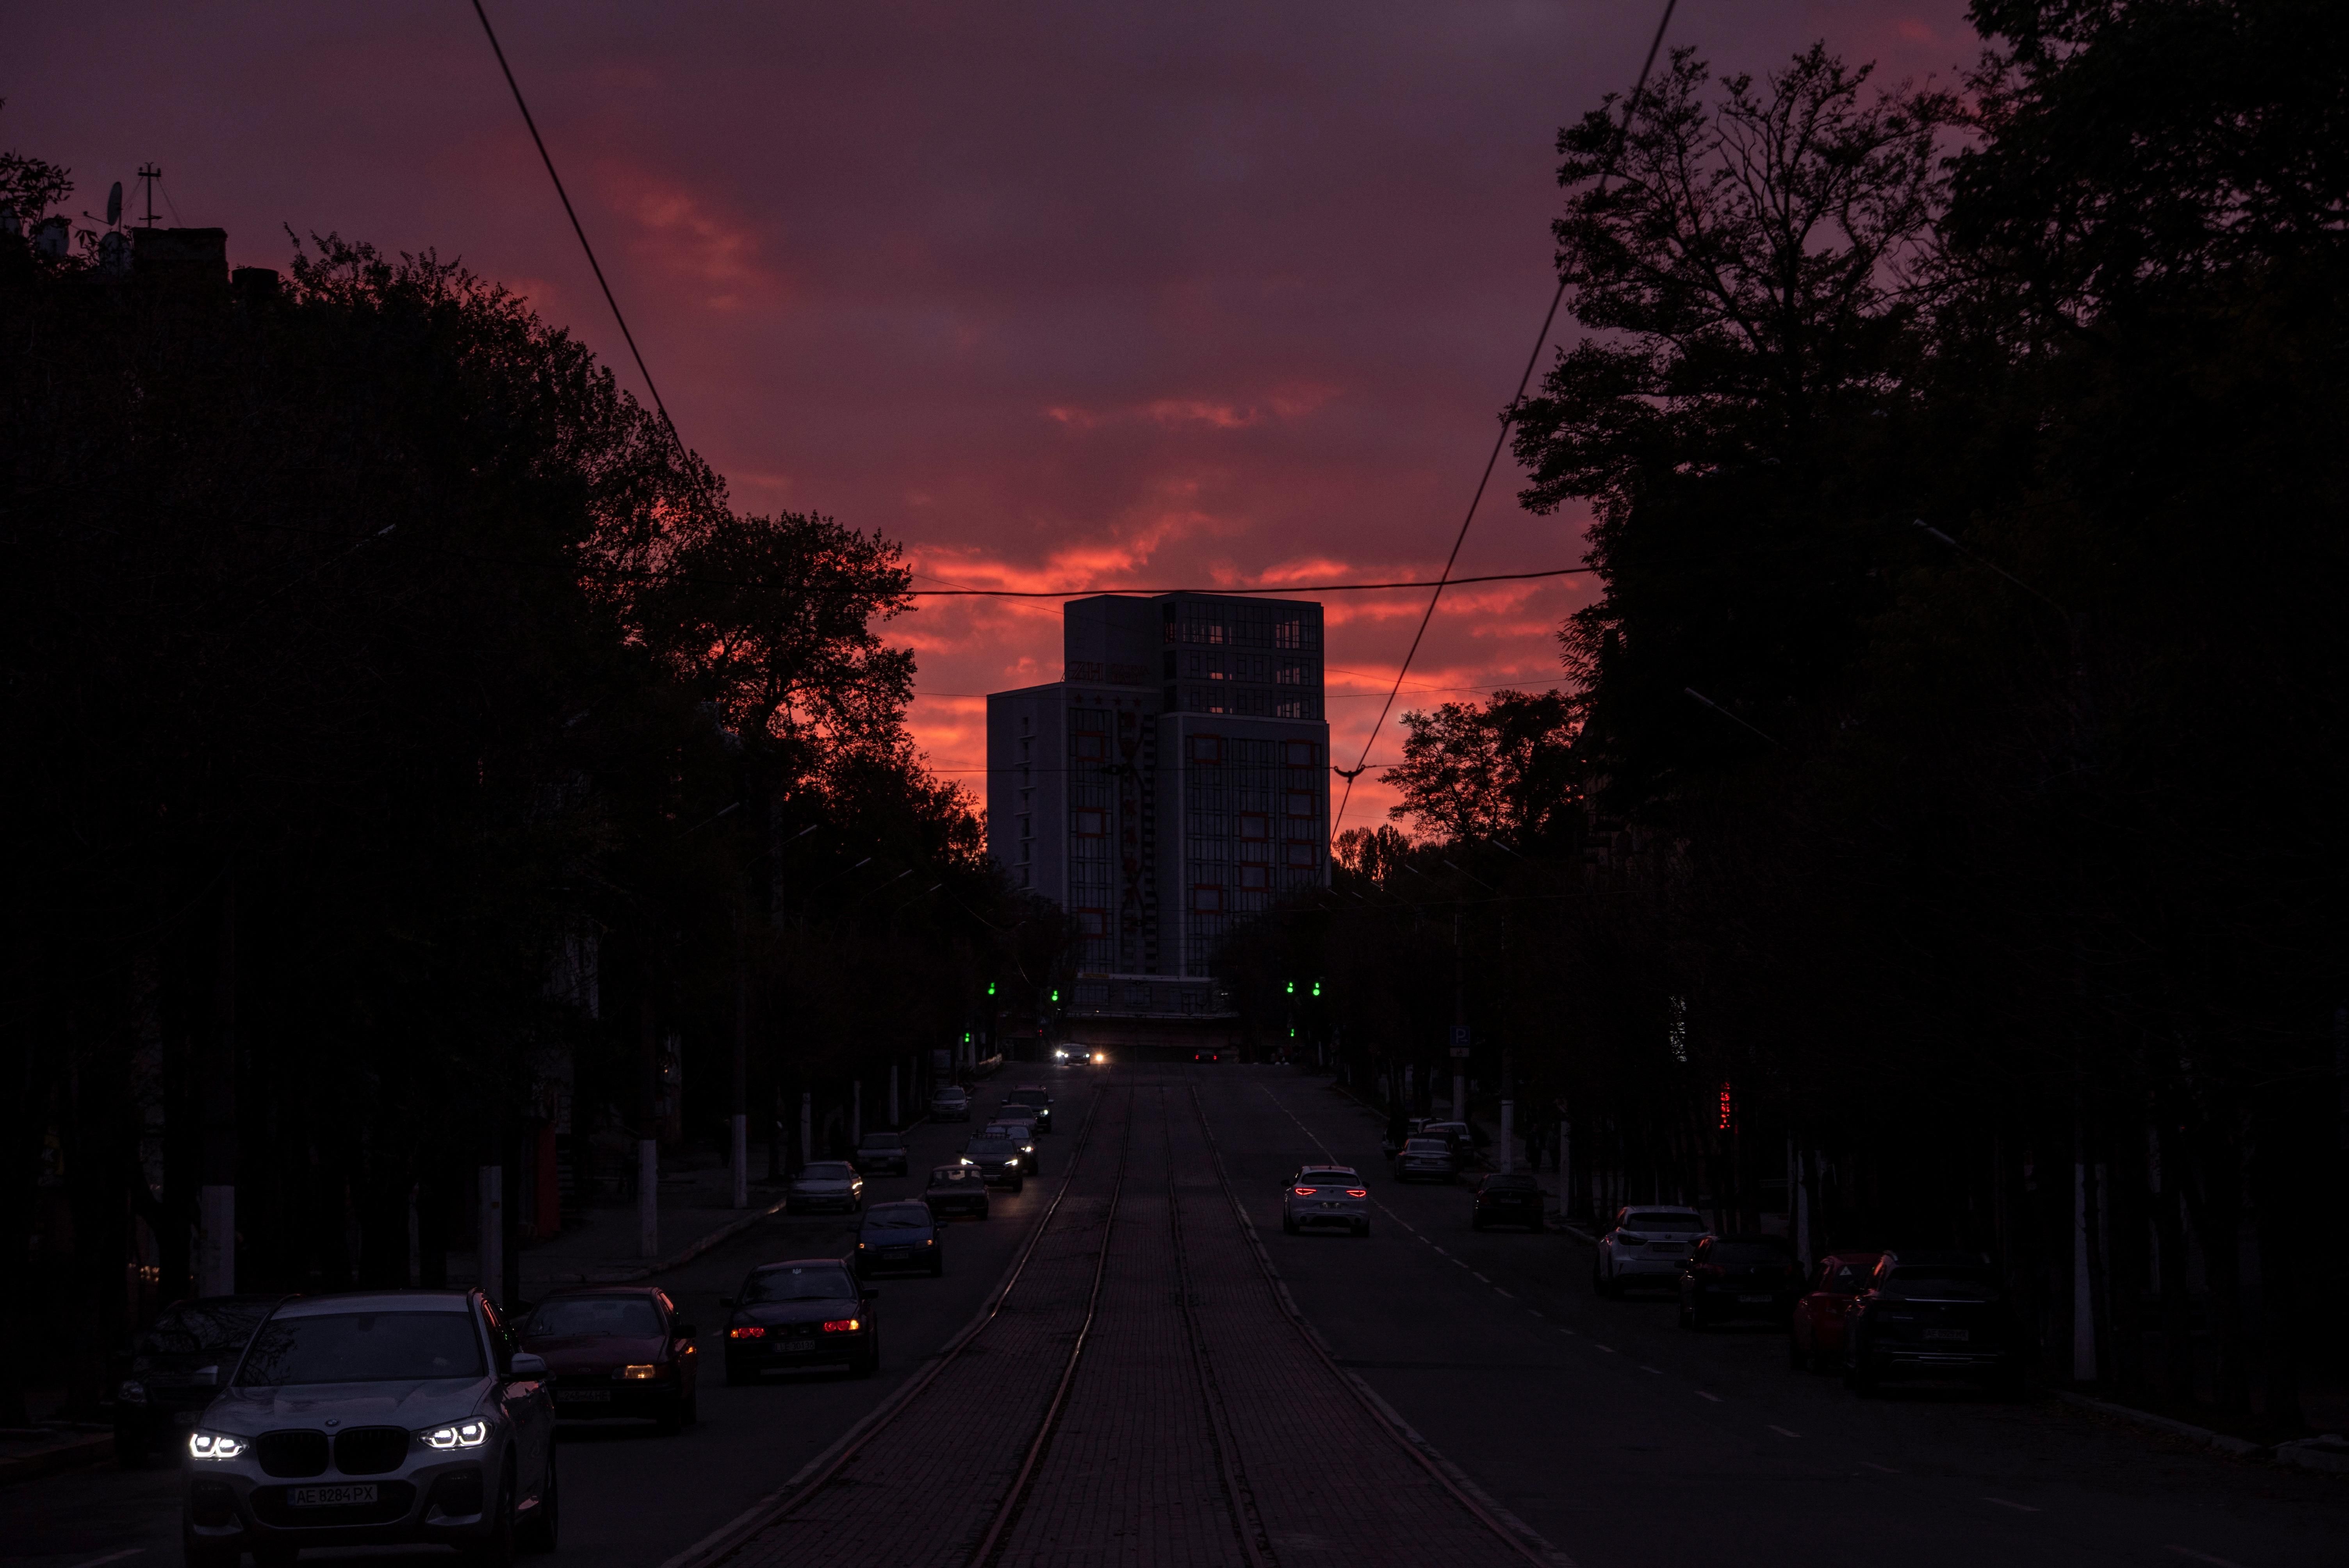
{"x": 148, "y": 174}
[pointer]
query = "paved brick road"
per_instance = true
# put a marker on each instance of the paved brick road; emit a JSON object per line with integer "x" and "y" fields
{"x": 1137, "y": 1469}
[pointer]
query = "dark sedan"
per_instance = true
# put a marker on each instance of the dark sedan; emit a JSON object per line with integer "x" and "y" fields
{"x": 176, "y": 1367}
{"x": 1426, "y": 1160}
{"x": 1933, "y": 1314}
{"x": 1507, "y": 1200}
{"x": 880, "y": 1152}
{"x": 616, "y": 1352}
{"x": 1737, "y": 1276}
{"x": 956, "y": 1191}
{"x": 1032, "y": 1097}
{"x": 904, "y": 1237}
{"x": 792, "y": 1316}
{"x": 998, "y": 1159}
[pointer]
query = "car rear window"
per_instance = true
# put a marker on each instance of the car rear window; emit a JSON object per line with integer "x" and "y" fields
{"x": 829, "y": 1171}
{"x": 1427, "y": 1146}
{"x": 1511, "y": 1184}
{"x": 1639, "y": 1221}
{"x": 362, "y": 1347}
{"x": 1012, "y": 1131}
{"x": 1745, "y": 1253}
{"x": 1328, "y": 1179}
{"x": 621, "y": 1317}
{"x": 814, "y": 1282}
{"x": 897, "y": 1217}
{"x": 945, "y": 1174}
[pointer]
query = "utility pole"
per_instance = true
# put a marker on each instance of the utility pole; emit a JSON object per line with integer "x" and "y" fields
{"x": 1459, "y": 1024}
{"x": 648, "y": 1130}
{"x": 738, "y": 1154}
{"x": 1508, "y": 1117}
{"x": 216, "y": 1195}
{"x": 807, "y": 1126}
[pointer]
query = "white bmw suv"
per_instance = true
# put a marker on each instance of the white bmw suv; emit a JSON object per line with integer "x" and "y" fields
{"x": 1646, "y": 1245}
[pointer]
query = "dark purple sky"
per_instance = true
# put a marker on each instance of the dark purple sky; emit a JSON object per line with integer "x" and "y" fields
{"x": 1058, "y": 296}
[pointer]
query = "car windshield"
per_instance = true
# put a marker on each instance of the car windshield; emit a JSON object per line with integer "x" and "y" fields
{"x": 990, "y": 1147}
{"x": 827, "y": 1170}
{"x": 946, "y": 1175}
{"x": 882, "y": 1140}
{"x": 951, "y": 1096}
{"x": 1017, "y": 1133}
{"x": 1427, "y": 1146}
{"x": 204, "y": 1328}
{"x": 1510, "y": 1184}
{"x": 1662, "y": 1222}
{"x": 813, "y": 1282}
{"x": 1328, "y": 1179}
{"x": 620, "y": 1317}
{"x": 362, "y": 1347}
{"x": 899, "y": 1217}
{"x": 1026, "y": 1096}
{"x": 1744, "y": 1254}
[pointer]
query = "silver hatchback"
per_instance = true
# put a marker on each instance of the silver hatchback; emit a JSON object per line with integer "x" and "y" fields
{"x": 390, "y": 1418}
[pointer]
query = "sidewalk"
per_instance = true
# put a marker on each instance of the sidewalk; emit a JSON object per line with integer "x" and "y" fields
{"x": 600, "y": 1245}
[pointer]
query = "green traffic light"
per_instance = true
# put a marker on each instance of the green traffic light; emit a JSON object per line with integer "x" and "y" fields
{"x": 990, "y": 987}
{"x": 1292, "y": 987}
{"x": 1316, "y": 987}
{"x": 1056, "y": 993}
{"x": 965, "y": 1037}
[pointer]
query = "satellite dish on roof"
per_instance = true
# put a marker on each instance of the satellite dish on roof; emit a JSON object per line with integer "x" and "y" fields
{"x": 114, "y": 205}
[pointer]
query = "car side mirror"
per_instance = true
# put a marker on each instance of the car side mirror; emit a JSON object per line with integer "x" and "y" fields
{"x": 526, "y": 1366}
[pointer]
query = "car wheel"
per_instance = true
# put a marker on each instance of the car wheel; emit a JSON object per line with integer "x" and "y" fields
{"x": 495, "y": 1548}
{"x": 540, "y": 1532}
{"x": 197, "y": 1553}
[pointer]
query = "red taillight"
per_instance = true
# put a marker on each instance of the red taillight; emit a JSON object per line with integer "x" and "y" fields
{"x": 842, "y": 1326}
{"x": 1358, "y": 1191}
{"x": 745, "y": 1333}
{"x": 1307, "y": 1191}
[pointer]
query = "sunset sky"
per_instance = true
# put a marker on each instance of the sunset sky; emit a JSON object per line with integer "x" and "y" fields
{"x": 1060, "y": 296}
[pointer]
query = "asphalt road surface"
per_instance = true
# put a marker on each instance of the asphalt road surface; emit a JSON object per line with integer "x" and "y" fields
{"x": 1142, "y": 1394}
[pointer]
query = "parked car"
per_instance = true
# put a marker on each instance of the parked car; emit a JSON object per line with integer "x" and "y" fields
{"x": 950, "y": 1102}
{"x": 1814, "y": 1330}
{"x": 1326, "y": 1198}
{"x": 1933, "y": 1314}
{"x": 1206, "y": 1056}
{"x": 1032, "y": 1097}
{"x": 880, "y": 1152}
{"x": 1737, "y": 1276}
{"x": 810, "y": 1311}
{"x": 1464, "y": 1138}
{"x": 824, "y": 1184}
{"x": 176, "y": 1366}
{"x": 956, "y": 1190}
{"x": 616, "y": 1351}
{"x": 1507, "y": 1198}
{"x": 1018, "y": 1132}
{"x": 904, "y": 1237}
{"x": 374, "y": 1418}
{"x": 998, "y": 1161}
{"x": 1426, "y": 1160}
{"x": 1645, "y": 1245}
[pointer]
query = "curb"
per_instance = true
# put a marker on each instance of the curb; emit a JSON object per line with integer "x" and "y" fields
{"x": 64, "y": 1456}
{"x": 2325, "y": 1454}
{"x": 2242, "y": 1448}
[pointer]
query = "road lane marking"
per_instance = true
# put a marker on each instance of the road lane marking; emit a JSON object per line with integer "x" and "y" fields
{"x": 1871, "y": 1464}
{"x": 1609, "y": 1348}
{"x": 2018, "y": 1507}
{"x": 1652, "y": 1371}
{"x": 1498, "y": 1289}
{"x": 2181, "y": 1550}
{"x": 1714, "y": 1397}
{"x": 1482, "y": 1277}
{"x": 1784, "y": 1433}
{"x": 1439, "y": 1251}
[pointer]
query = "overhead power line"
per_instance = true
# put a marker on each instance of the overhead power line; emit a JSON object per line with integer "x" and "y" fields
{"x": 1500, "y": 440}
{"x": 683, "y": 457}
{"x": 1290, "y": 588}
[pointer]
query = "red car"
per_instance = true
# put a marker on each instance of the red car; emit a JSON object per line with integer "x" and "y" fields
{"x": 1815, "y": 1333}
{"x": 616, "y": 1351}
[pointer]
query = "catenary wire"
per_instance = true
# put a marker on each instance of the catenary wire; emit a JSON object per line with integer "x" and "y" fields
{"x": 1235, "y": 592}
{"x": 683, "y": 457}
{"x": 1501, "y": 439}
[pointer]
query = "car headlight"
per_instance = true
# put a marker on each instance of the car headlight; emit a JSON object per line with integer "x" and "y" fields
{"x": 469, "y": 1434}
{"x": 215, "y": 1446}
{"x": 642, "y": 1372}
